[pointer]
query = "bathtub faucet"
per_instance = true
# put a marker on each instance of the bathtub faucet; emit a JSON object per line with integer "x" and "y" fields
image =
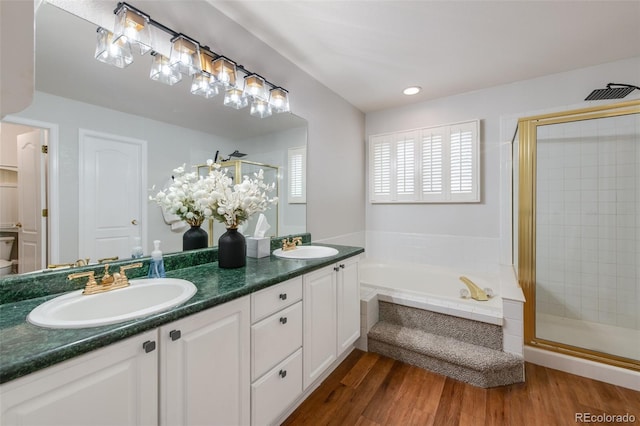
{"x": 476, "y": 292}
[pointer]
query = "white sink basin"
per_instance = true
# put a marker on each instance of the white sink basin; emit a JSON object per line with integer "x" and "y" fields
{"x": 142, "y": 297}
{"x": 306, "y": 252}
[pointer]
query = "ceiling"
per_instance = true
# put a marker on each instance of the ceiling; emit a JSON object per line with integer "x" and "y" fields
{"x": 369, "y": 51}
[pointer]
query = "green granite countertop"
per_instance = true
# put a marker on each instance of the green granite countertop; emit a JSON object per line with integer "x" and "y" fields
{"x": 26, "y": 348}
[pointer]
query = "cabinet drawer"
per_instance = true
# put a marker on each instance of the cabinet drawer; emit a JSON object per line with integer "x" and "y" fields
{"x": 274, "y": 338}
{"x": 274, "y": 392}
{"x": 266, "y": 302}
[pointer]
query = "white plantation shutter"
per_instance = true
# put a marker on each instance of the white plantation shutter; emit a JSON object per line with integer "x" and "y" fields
{"x": 429, "y": 165}
{"x": 380, "y": 155}
{"x": 405, "y": 164}
{"x": 297, "y": 175}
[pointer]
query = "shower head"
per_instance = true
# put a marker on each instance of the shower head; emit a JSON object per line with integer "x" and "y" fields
{"x": 237, "y": 153}
{"x": 613, "y": 91}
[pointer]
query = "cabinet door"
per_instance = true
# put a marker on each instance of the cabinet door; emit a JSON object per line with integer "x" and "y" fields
{"x": 116, "y": 385}
{"x": 319, "y": 337}
{"x": 205, "y": 367}
{"x": 348, "y": 304}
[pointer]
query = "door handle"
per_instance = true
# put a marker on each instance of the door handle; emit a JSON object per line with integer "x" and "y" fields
{"x": 18, "y": 225}
{"x": 134, "y": 222}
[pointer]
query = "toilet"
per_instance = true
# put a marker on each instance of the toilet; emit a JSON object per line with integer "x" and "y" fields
{"x": 6, "y": 244}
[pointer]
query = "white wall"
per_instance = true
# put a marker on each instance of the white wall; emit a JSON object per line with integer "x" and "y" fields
{"x": 465, "y": 233}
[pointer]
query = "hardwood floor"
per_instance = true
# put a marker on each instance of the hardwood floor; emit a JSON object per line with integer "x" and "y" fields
{"x": 369, "y": 389}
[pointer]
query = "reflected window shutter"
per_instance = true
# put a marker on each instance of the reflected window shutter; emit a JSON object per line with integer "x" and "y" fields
{"x": 297, "y": 184}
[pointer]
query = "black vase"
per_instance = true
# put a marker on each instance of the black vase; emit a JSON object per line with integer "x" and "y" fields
{"x": 232, "y": 249}
{"x": 195, "y": 238}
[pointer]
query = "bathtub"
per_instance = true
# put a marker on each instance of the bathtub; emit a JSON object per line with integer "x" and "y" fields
{"x": 430, "y": 287}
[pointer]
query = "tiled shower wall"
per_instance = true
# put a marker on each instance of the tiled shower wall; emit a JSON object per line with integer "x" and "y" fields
{"x": 588, "y": 217}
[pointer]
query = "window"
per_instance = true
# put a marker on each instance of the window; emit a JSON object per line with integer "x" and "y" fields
{"x": 297, "y": 193}
{"x": 429, "y": 165}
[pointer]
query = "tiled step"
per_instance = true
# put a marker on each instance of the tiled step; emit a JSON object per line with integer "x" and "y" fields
{"x": 465, "y": 330}
{"x": 474, "y": 364}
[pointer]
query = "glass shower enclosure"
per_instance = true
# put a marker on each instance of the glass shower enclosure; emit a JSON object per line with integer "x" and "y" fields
{"x": 579, "y": 232}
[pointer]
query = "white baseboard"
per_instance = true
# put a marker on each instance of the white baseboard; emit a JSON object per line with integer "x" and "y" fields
{"x": 583, "y": 367}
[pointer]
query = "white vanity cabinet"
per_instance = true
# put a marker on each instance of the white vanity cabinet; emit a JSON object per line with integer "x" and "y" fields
{"x": 204, "y": 367}
{"x": 276, "y": 350}
{"x": 116, "y": 385}
{"x": 331, "y": 315}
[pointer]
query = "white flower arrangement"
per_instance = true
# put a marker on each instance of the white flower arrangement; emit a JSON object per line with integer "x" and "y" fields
{"x": 195, "y": 198}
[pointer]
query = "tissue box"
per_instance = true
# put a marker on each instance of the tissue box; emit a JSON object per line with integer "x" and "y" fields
{"x": 258, "y": 247}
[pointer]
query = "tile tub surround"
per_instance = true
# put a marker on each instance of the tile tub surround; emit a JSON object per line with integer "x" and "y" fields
{"x": 25, "y": 348}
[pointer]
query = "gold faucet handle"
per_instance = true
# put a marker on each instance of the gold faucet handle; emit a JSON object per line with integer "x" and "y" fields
{"x": 108, "y": 259}
{"x": 123, "y": 275}
{"x": 297, "y": 240}
{"x": 91, "y": 282}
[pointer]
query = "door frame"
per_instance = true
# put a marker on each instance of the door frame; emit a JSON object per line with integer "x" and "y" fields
{"x": 52, "y": 184}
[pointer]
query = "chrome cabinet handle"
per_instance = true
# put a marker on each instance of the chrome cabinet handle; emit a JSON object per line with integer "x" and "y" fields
{"x": 342, "y": 265}
{"x": 283, "y": 296}
{"x": 335, "y": 268}
{"x": 283, "y": 320}
{"x": 282, "y": 373}
{"x": 175, "y": 334}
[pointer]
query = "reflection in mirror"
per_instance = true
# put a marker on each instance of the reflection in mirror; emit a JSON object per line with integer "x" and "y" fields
{"x": 103, "y": 122}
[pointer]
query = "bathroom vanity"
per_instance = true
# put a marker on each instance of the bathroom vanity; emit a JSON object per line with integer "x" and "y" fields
{"x": 247, "y": 348}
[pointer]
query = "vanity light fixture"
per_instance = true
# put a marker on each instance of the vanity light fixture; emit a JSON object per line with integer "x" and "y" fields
{"x": 116, "y": 53}
{"x": 224, "y": 70}
{"x": 260, "y": 108}
{"x": 204, "y": 83}
{"x": 162, "y": 72}
{"x": 133, "y": 26}
{"x": 413, "y": 90}
{"x": 185, "y": 55}
{"x": 210, "y": 71}
{"x": 279, "y": 100}
{"x": 254, "y": 88}
{"x": 234, "y": 96}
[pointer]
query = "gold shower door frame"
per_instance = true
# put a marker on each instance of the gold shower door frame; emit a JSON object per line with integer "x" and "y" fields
{"x": 527, "y": 223}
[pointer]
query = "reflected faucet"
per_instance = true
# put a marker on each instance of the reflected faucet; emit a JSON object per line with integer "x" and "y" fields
{"x": 476, "y": 292}
{"x": 290, "y": 243}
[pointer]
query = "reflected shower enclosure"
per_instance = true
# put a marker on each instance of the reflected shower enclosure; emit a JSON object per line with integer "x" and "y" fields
{"x": 579, "y": 232}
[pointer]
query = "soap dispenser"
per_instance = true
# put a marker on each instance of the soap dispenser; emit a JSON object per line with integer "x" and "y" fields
{"x": 156, "y": 267}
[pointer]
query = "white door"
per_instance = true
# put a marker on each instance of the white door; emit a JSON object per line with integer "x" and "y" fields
{"x": 31, "y": 201}
{"x": 113, "y": 172}
{"x": 348, "y": 303}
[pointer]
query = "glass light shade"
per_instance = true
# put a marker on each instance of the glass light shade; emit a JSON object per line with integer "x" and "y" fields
{"x": 224, "y": 71}
{"x": 133, "y": 27}
{"x": 260, "y": 108}
{"x": 185, "y": 55}
{"x": 235, "y": 98}
{"x": 255, "y": 87}
{"x": 116, "y": 53}
{"x": 204, "y": 85}
{"x": 279, "y": 100}
{"x": 162, "y": 72}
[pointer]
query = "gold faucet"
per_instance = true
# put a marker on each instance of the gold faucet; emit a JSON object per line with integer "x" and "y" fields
{"x": 476, "y": 292}
{"x": 79, "y": 262}
{"x": 108, "y": 282}
{"x": 290, "y": 243}
{"x": 108, "y": 259}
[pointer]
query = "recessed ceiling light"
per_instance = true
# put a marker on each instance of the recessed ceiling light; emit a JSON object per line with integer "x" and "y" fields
{"x": 413, "y": 90}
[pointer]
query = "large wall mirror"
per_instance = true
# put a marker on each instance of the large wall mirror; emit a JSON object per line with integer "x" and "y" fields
{"x": 81, "y": 103}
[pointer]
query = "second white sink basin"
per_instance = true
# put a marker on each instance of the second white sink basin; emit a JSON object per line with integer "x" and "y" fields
{"x": 142, "y": 297}
{"x": 306, "y": 252}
